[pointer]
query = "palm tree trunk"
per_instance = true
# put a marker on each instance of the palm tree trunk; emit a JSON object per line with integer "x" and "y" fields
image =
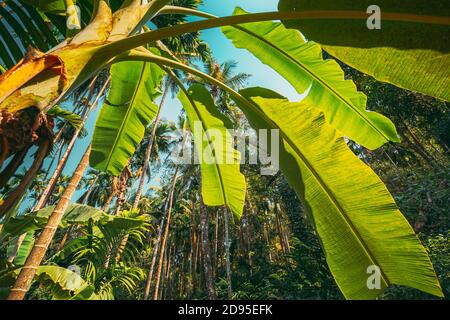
{"x": 148, "y": 151}
{"x": 36, "y": 255}
{"x": 166, "y": 232}
{"x": 15, "y": 196}
{"x": 108, "y": 201}
{"x": 62, "y": 162}
{"x": 91, "y": 89}
{"x": 155, "y": 253}
{"x": 227, "y": 251}
{"x": 216, "y": 240}
{"x": 89, "y": 192}
{"x": 11, "y": 168}
{"x": 193, "y": 263}
{"x": 209, "y": 281}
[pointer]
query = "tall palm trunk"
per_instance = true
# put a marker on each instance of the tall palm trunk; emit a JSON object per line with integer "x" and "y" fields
{"x": 206, "y": 252}
{"x": 155, "y": 254}
{"x": 62, "y": 162}
{"x": 16, "y": 195}
{"x": 109, "y": 199}
{"x": 36, "y": 255}
{"x": 226, "y": 214}
{"x": 12, "y": 166}
{"x": 193, "y": 263}
{"x": 89, "y": 191}
{"x": 85, "y": 201}
{"x": 216, "y": 245}
{"x": 166, "y": 232}
{"x": 148, "y": 151}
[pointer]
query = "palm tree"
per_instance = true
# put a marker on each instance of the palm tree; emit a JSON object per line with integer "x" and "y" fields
{"x": 36, "y": 255}
{"x": 339, "y": 110}
{"x": 62, "y": 162}
{"x": 157, "y": 141}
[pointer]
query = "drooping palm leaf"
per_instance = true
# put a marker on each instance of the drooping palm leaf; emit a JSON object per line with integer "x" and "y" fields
{"x": 22, "y": 26}
{"x": 222, "y": 182}
{"x": 355, "y": 217}
{"x": 411, "y": 50}
{"x": 301, "y": 64}
{"x": 126, "y": 113}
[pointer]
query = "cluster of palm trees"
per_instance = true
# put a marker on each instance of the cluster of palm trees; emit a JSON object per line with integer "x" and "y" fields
{"x": 143, "y": 226}
{"x": 43, "y": 186}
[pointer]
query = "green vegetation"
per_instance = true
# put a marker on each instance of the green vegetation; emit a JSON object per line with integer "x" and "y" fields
{"x": 358, "y": 209}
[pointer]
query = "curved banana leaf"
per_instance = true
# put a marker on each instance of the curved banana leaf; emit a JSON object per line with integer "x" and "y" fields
{"x": 411, "y": 50}
{"x": 301, "y": 64}
{"x": 64, "y": 283}
{"x": 126, "y": 113}
{"x": 75, "y": 213}
{"x": 356, "y": 218}
{"x": 24, "y": 249}
{"x": 22, "y": 26}
{"x": 222, "y": 181}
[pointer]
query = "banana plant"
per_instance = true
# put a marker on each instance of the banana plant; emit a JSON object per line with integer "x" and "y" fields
{"x": 355, "y": 217}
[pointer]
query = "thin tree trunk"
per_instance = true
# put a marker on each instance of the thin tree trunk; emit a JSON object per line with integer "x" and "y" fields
{"x": 12, "y": 166}
{"x": 279, "y": 230}
{"x": 108, "y": 201}
{"x": 417, "y": 149}
{"x": 15, "y": 196}
{"x": 89, "y": 192}
{"x": 216, "y": 240}
{"x": 226, "y": 215}
{"x": 36, "y": 255}
{"x": 62, "y": 163}
{"x": 266, "y": 236}
{"x": 166, "y": 232}
{"x": 91, "y": 88}
{"x": 194, "y": 246}
{"x": 148, "y": 151}
{"x": 155, "y": 254}
{"x": 206, "y": 252}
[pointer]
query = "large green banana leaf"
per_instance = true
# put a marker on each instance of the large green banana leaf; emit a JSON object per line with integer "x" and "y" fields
{"x": 411, "y": 50}
{"x": 356, "y": 218}
{"x": 64, "y": 283}
{"x": 222, "y": 181}
{"x": 24, "y": 249}
{"x": 126, "y": 113}
{"x": 301, "y": 64}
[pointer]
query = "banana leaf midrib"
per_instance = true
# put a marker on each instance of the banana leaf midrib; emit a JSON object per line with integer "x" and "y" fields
{"x": 216, "y": 165}
{"x": 324, "y": 186}
{"x": 317, "y": 77}
{"x": 128, "y": 114}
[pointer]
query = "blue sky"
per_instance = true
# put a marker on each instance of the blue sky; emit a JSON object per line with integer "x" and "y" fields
{"x": 222, "y": 50}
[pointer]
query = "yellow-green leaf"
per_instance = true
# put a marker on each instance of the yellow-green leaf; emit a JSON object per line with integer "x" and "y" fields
{"x": 126, "y": 113}
{"x": 411, "y": 50}
{"x": 301, "y": 64}
{"x": 222, "y": 181}
{"x": 354, "y": 214}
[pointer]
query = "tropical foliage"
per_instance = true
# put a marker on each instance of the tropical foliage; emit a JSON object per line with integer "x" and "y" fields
{"x": 373, "y": 119}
